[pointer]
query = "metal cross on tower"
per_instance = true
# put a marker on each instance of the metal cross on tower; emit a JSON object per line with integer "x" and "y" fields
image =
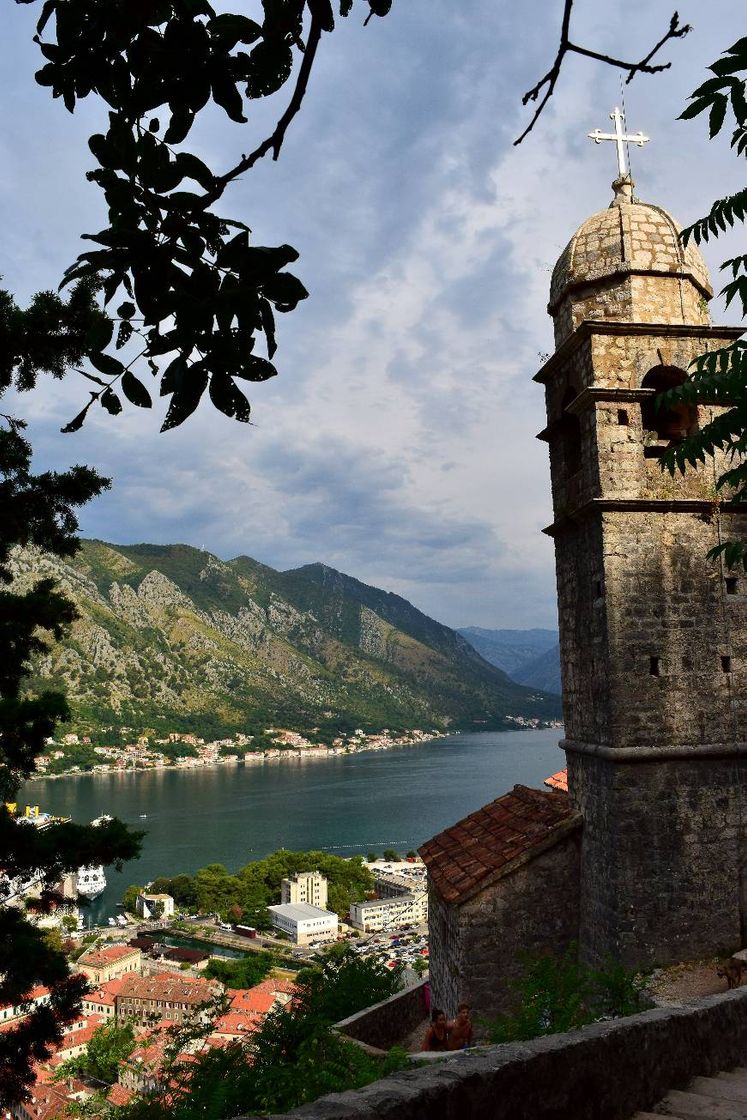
{"x": 620, "y": 138}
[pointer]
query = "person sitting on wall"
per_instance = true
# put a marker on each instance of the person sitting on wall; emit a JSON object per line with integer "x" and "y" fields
{"x": 459, "y": 1030}
{"x": 436, "y": 1037}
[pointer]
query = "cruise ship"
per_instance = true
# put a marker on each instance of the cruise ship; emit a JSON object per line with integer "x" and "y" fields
{"x": 90, "y": 882}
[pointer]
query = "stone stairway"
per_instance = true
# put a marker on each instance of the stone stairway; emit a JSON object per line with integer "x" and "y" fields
{"x": 723, "y": 1097}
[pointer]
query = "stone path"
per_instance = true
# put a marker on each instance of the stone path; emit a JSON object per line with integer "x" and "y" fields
{"x": 723, "y": 1097}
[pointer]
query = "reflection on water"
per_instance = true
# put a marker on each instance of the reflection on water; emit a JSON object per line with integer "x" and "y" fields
{"x": 346, "y": 804}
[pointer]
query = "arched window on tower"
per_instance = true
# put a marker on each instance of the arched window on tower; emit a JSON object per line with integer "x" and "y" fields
{"x": 569, "y": 430}
{"x": 669, "y": 423}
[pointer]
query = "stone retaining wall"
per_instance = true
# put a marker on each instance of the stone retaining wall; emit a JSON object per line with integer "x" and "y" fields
{"x": 387, "y": 1023}
{"x": 606, "y": 1071}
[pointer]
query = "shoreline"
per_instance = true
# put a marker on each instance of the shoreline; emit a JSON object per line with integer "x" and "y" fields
{"x": 289, "y": 754}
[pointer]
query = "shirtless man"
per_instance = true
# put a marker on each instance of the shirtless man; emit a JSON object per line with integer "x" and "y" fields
{"x": 460, "y": 1029}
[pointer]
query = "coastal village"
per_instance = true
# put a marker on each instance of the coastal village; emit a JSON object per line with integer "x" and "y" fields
{"x": 157, "y": 986}
{"x": 187, "y": 751}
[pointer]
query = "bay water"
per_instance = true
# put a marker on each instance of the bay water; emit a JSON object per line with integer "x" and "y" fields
{"x": 346, "y": 804}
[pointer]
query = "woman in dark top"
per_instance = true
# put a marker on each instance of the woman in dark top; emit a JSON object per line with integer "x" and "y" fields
{"x": 436, "y": 1037}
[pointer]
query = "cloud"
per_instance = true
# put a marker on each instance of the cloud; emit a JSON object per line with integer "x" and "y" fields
{"x": 398, "y": 442}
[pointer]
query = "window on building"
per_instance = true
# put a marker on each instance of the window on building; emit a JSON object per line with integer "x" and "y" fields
{"x": 669, "y": 423}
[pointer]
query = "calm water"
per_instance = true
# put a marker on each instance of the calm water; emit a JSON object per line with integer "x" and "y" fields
{"x": 346, "y": 804}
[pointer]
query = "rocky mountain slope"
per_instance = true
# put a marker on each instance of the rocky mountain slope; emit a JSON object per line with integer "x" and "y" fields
{"x": 170, "y": 637}
{"x": 530, "y": 657}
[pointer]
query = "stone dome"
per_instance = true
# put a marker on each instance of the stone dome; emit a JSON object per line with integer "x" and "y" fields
{"x": 630, "y": 237}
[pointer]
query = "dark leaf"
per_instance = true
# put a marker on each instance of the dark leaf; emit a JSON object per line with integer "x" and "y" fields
{"x": 186, "y": 399}
{"x": 255, "y": 369}
{"x": 285, "y": 290}
{"x": 105, "y": 363}
{"x": 181, "y": 122}
{"x": 126, "y": 310}
{"x": 192, "y": 167}
{"x": 228, "y": 399}
{"x": 269, "y": 66}
{"x": 77, "y": 422}
{"x": 111, "y": 402}
{"x": 268, "y": 325}
{"x": 694, "y": 109}
{"x": 717, "y": 114}
{"x": 234, "y": 29}
{"x": 173, "y": 376}
{"x": 228, "y": 97}
{"x": 135, "y": 391}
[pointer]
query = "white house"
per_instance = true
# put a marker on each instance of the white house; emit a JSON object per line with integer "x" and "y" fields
{"x": 304, "y": 923}
{"x": 155, "y": 905}
{"x": 389, "y": 913}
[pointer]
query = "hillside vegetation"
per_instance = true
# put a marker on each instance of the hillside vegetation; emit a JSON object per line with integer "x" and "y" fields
{"x": 172, "y": 638}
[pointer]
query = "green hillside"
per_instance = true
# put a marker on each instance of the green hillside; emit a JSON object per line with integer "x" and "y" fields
{"x": 171, "y": 637}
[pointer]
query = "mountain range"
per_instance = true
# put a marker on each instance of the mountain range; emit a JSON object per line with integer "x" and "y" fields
{"x": 172, "y": 638}
{"x": 530, "y": 657}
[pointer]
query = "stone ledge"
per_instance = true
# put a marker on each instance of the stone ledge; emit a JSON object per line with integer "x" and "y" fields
{"x": 689, "y": 751}
{"x": 606, "y": 1071}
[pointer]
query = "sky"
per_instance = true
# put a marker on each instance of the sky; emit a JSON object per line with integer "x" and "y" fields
{"x": 398, "y": 442}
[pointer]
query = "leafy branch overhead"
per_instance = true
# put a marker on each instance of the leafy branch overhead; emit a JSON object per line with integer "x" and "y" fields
{"x": 719, "y": 378}
{"x": 193, "y": 295}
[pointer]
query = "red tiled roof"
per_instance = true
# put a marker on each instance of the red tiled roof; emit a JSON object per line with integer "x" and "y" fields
{"x": 167, "y": 986}
{"x": 106, "y": 993}
{"x": 488, "y": 844}
{"x": 99, "y": 958}
{"x": 558, "y": 781}
{"x": 119, "y": 1095}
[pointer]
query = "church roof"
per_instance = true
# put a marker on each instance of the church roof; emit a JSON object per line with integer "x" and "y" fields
{"x": 495, "y": 840}
{"x": 630, "y": 236}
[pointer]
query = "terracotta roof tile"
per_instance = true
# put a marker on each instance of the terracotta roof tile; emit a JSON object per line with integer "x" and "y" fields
{"x": 477, "y": 850}
{"x": 558, "y": 781}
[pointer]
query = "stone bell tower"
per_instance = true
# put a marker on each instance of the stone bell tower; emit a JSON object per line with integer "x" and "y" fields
{"x": 653, "y": 634}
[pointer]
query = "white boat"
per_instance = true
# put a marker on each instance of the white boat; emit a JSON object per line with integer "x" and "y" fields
{"x": 90, "y": 882}
{"x": 111, "y": 921}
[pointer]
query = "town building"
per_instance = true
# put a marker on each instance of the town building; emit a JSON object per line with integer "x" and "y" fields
{"x": 304, "y": 923}
{"x": 306, "y": 887}
{"x": 389, "y": 884}
{"x": 101, "y": 1001}
{"x": 642, "y": 859}
{"x": 12, "y": 1011}
{"x": 100, "y": 965}
{"x": 389, "y": 913}
{"x": 165, "y": 996}
{"x": 156, "y": 906}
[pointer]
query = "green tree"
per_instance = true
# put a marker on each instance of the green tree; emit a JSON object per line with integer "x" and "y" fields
{"x": 243, "y": 973}
{"x": 294, "y": 1057}
{"x": 720, "y": 376}
{"x": 110, "y": 1045}
{"x": 38, "y": 510}
{"x": 130, "y": 897}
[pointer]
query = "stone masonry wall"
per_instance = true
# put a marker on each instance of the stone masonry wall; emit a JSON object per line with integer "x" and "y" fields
{"x": 662, "y": 857}
{"x": 477, "y": 948}
{"x": 677, "y": 636}
{"x": 446, "y": 951}
{"x": 606, "y": 1071}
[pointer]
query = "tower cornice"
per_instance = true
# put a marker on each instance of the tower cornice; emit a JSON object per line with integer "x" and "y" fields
{"x": 699, "y": 506}
{"x": 591, "y": 327}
